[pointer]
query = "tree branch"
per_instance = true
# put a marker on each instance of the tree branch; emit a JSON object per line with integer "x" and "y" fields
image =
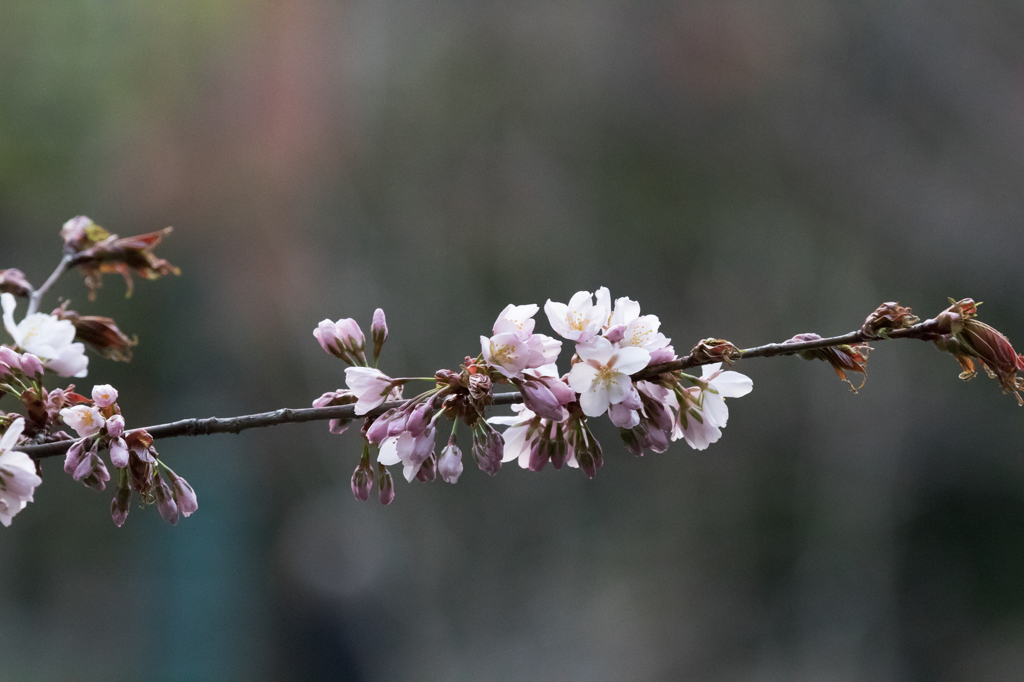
{"x": 923, "y": 330}
{"x": 206, "y": 426}
{"x": 37, "y": 295}
{"x": 211, "y": 425}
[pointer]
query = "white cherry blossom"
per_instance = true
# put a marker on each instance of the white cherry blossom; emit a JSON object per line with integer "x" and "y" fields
{"x": 517, "y": 319}
{"x": 580, "y": 320}
{"x": 87, "y": 421}
{"x": 725, "y": 384}
{"x": 49, "y": 338}
{"x": 18, "y": 477}
{"x": 370, "y": 386}
{"x": 603, "y": 378}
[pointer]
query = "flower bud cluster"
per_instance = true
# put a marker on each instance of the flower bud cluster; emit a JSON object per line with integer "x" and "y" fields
{"x": 969, "y": 339}
{"x": 613, "y": 342}
{"x": 137, "y": 465}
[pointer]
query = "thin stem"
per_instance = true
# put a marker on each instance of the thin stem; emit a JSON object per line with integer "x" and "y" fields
{"x": 923, "y": 330}
{"x": 37, "y": 295}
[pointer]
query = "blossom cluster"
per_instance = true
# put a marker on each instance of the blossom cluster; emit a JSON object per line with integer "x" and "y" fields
{"x": 612, "y": 373}
{"x": 56, "y": 343}
{"x": 137, "y": 465}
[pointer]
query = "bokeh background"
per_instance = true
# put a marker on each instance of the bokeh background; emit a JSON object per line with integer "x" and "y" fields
{"x": 745, "y": 170}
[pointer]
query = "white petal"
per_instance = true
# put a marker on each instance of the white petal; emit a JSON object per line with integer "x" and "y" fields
{"x": 595, "y": 401}
{"x": 732, "y": 384}
{"x": 598, "y": 349}
{"x": 13, "y": 433}
{"x": 581, "y": 377}
{"x": 581, "y": 302}
{"x": 9, "y": 304}
{"x": 626, "y": 310}
{"x": 707, "y": 371}
{"x": 716, "y": 412}
{"x": 388, "y": 452}
{"x": 604, "y": 299}
{"x": 558, "y": 314}
{"x": 631, "y": 359}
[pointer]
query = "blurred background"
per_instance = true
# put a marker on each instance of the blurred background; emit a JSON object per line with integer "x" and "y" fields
{"x": 745, "y": 170}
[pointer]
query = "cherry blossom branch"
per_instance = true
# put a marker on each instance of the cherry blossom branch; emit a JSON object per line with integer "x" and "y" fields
{"x": 925, "y": 331}
{"x": 37, "y": 294}
{"x": 210, "y": 425}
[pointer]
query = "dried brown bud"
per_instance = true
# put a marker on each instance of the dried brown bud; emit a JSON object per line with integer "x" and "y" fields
{"x": 714, "y": 350}
{"x": 12, "y": 281}
{"x": 886, "y": 318}
{"x": 996, "y": 354}
{"x": 480, "y": 389}
{"x": 951, "y": 320}
{"x": 123, "y": 256}
{"x": 844, "y": 358}
{"x": 101, "y": 334}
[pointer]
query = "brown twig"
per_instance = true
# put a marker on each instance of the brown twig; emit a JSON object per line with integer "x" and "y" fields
{"x": 37, "y": 295}
{"x": 210, "y": 425}
{"x": 923, "y": 330}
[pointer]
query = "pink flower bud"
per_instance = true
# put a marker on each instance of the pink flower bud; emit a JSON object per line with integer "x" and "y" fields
{"x": 74, "y": 231}
{"x": 120, "y": 505}
{"x": 92, "y": 472}
{"x": 31, "y": 366}
{"x": 660, "y": 355}
{"x": 449, "y": 467}
{"x": 350, "y": 335}
{"x": 379, "y": 332}
{"x": 419, "y": 419}
{"x": 616, "y": 333}
{"x": 184, "y": 496}
{"x": 12, "y": 281}
{"x": 385, "y": 485}
{"x": 488, "y": 448}
{"x": 115, "y": 426}
{"x": 539, "y": 454}
{"x": 326, "y": 336}
{"x": 118, "y": 453}
{"x": 428, "y": 470}
{"x": 362, "y": 481}
{"x": 74, "y": 457}
{"x": 104, "y": 395}
{"x": 165, "y": 503}
{"x": 10, "y": 358}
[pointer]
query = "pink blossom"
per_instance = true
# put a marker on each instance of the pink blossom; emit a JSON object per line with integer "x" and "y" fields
{"x": 506, "y": 352}
{"x": 87, "y": 421}
{"x": 580, "y": 320}
{"x": 104, "y": 395}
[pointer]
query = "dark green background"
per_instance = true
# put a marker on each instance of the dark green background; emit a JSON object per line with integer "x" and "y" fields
{"x": 745, "y": 170}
